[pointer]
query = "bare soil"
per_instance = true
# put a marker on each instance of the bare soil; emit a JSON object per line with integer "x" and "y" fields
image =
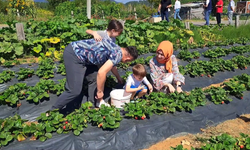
{"x": 232, "y": 127}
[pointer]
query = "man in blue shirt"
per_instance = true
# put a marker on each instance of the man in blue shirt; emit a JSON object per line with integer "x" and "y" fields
{"x": 91, "y": 60}
{"x": 208, "y": 10}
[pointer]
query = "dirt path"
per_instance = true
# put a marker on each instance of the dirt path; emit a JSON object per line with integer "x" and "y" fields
{"x": 202, "y": 22}
{"x": 232, "y": 127}
{"x": 3, "y": 25}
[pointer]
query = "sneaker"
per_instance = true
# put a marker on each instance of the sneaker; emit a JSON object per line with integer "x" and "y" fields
{"x": 98, "y": 104}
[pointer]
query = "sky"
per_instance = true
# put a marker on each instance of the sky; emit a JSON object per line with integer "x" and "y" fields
{"x": 125, "y": 1}
{"x": 121, "y": 1}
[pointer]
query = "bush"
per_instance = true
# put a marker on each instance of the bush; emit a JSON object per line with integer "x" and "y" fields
{"x": 3, "y": 6}
{"x": 65, "y": 9}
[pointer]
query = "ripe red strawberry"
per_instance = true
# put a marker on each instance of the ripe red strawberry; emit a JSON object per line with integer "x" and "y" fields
{"x": 202, "y": 75}
{"x": 242, "y": 146}
{"x": 241, "y": 98}
{"x": 164, "y": 108}
{"x": 64, "y": 127}
{"x": 222, "y": 102}
{"x": 29, "y": 75}
{"x": 104, "y": 117}
{"x": 142, "y": 118}
{"x": 23, "y": 93}
{"x": 100, "y": 125}
{"x": 136, "y": 118}
{"x": 209, "y": 76}
{"x": 245, "y": 67}
{"x": 66, "y": 122}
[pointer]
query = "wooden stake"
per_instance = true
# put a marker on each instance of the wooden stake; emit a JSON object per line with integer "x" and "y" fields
{"x": 20, "y": 31}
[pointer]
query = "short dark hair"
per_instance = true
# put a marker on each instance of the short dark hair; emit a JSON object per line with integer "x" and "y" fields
{"x": 139, "y": 70}
{"x": 115, "y": 25}
{"x": 132, "y": 51}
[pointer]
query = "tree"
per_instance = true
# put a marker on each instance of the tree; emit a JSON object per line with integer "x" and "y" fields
{"x": 154, "y": 3}
{"x": 54, "y": 3}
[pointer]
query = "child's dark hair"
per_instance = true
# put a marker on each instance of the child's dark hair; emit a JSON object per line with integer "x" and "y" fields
{"x": 115, "y": 25}
{"x": 139, "y": 70}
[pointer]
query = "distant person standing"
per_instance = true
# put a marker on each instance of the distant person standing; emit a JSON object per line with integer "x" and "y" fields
{"x": 177, "y": 8}
{"x": 219, "y": 11}
{"x": 208, "y": 10}
{"x": 230, "y": 11}
{"x": 164, "y": 7}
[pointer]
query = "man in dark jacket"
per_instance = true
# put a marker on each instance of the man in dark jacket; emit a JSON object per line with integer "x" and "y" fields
{"x": 164, "y": 7}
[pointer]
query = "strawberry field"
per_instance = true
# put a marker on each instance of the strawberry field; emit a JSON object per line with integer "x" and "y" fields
{"x": 32, "y": 76}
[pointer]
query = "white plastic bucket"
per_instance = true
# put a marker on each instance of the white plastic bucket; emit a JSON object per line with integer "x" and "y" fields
{"x": 119, "y": 97}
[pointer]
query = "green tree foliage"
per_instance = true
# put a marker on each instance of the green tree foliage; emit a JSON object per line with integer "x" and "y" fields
{"x": 3, "y": 6}
{"x": 53, "y": 3}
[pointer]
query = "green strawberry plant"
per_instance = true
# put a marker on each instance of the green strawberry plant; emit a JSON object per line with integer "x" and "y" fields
{"x": 25, "y": 73}
{"x": 8, "y": 64}
{"x": 193, "y": 46}
{"x": 184, "y": 46}
{"x": 195, "y": 69}
{"x": 198, "y": 95}
{"x": 160, "y": 103}
{"x": 148, "y": 59}
{"x": 138, "y": 110}
{"x": 60, "y": 87}
{"x": 218, "y": 95}
{"x": 11, "y": 128}
{"x": 139, "y": 61}
{"x": 210, "y": 44}
{"x": 37, "y": 93}
{"x": 123, "y": 65}
{"x": 45, "y": 69}
{"x": 46, "y": 85}
{"x": 185, "y": 55}
{"x": 210, "y": 67}
{"x": 235, "y": 88}
{"x": 183, "y": 101}
{"x": 229, "y": 65}
{"x": 231, "y": 41}
{"x": 182, "y": 70}
{"x": 124, "y": 77}
{"x": 241, "y": 49}
{"x": 180, "y": 147}
{"x": 243, "y": 79}
{"x": 77, "y": 120}
{"x": 196, "y": 55}
{"x": 241, "y": 61}
{"x": 14, "y": 94}
{"x": 243, "y": 141}
{"x": 105, "y": 117}
{"x": 223, "y": 141}
{"x": 215, "y": 53}
{"x": 6, "y": 76}
{"x": 61, "y": 69}
{"x": 48, "y": 124}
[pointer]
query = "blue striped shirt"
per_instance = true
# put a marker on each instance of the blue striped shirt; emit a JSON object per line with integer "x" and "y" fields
{"x": 97, "y": 53}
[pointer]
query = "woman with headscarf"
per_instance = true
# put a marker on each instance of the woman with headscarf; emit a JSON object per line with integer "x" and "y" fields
{"x": 164, "y": 69}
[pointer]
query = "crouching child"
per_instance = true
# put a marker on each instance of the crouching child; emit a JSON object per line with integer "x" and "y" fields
{"x": 134, "y": 82}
